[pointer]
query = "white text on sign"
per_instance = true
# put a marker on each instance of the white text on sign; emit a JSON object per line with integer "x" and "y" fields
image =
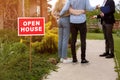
{"x": 30, "y": 26}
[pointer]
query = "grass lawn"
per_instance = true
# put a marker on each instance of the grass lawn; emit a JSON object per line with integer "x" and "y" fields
{"x": 117, "y": 53}
{"x": 95, "y": 36}
{"x": 116, "y": 46}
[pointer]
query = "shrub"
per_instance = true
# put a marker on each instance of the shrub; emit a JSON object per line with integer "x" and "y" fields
{"x": 14, "y": 55}
{"x": 96, "y": 30}
{"x": 17, "y": 68}
{"x": 19, "y": 48}
{"x": 9, "y": 36}
{"x": 118, "y": 33}
{"x": 49, "y": 42}
{"x": 14, "y": 63}
{"x": 9, "y": 50}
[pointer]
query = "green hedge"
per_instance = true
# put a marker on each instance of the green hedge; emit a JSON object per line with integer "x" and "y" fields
{"x": 14, "y": 55}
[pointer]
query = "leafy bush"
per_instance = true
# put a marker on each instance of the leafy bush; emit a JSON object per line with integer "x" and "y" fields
{"x": 19, "y": 48}
{"x": 96, "y": 30}
{"x": 9, "y": 50}
{"x": 14, "y": 55}
{"x": 9, "y": 36}
{"x": 118, "y": 33}
{"x": 49, "y": 42}
{"x": 17, "y": 68}
{"x": 14, "y": 63}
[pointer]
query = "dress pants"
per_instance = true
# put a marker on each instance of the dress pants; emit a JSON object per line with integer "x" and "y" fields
{"x": 109, "y": 42}
{"x": 75, "y": 28}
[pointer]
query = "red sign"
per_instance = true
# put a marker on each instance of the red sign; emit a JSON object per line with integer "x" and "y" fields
{"x": 31, "y": 26}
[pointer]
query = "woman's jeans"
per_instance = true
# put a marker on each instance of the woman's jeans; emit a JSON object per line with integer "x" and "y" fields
{"x": 64, "y": 32}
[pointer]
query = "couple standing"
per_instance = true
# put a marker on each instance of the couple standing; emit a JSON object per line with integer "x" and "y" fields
{"x": 72, "y": 18}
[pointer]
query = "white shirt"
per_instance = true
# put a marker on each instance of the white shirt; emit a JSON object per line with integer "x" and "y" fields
{"x": 104, "y": 2}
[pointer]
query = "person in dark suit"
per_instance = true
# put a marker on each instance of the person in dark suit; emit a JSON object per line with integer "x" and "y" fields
{"x": 107, "y": 21}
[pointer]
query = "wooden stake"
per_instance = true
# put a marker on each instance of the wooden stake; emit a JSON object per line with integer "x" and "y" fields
{"x": 30, "y": 55}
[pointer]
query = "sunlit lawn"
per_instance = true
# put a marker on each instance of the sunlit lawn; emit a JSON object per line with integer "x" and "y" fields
{"x": 95, "y": 36}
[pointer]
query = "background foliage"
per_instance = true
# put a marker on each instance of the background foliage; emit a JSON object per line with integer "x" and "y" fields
{"x": 14, "y": 55}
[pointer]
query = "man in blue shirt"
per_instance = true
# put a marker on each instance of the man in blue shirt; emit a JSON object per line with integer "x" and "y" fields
{"x": 78, "y": 23}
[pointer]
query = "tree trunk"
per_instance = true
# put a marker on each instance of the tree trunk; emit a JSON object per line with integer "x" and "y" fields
{"x": 43, "y": 9}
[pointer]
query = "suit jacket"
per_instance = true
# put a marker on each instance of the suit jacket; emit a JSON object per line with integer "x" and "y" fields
{"x": 109, "y": 17}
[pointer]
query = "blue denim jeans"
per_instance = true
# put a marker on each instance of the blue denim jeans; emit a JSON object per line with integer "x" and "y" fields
{"x": 64, "y": 32}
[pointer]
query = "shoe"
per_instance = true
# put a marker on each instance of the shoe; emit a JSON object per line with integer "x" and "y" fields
{"x": 75, "y": 61}
{"x": 104, "y": 54}
{"x": 110, "y": 56}
{"x": 67, "y": 60}
{"x": 61, "y": 60}
{"x": 84, "y": 61}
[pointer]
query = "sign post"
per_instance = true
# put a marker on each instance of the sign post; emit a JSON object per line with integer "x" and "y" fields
{"x": 30, "y": 55}
{"x": 31, "y": 26}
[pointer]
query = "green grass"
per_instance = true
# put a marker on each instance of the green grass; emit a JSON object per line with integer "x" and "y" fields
{"x": 117, "y": 53}
{"x": 95, "y": 36}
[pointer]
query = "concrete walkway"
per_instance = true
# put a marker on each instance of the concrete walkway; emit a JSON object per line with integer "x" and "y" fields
{"x": 99, "y": 68}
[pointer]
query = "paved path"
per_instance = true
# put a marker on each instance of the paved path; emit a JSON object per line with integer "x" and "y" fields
{"x": 99, "y": 68}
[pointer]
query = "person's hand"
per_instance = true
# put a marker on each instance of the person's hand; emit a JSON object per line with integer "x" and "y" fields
{"x": 94, "y": 17}
{"x": 98, "y": 6}
{"x": 70, "y": 9}
{"x": 76, "y": 12}
{"x": 83, "y": 11}
{"x": 102, "y": 14}
{"x": 57, "y": 17}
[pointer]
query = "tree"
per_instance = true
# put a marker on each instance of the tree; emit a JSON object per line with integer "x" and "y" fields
{"x": 117, "y": 13}
{"x": 8, "y": 11}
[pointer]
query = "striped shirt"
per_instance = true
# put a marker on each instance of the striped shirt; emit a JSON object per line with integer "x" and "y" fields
{"x": 78, "y": 5}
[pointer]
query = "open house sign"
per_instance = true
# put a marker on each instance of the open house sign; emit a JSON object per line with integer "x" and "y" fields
{"x": 31, "y": 26}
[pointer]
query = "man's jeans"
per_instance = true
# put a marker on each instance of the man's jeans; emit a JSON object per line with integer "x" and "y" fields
{"x": 64, "y": 32}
